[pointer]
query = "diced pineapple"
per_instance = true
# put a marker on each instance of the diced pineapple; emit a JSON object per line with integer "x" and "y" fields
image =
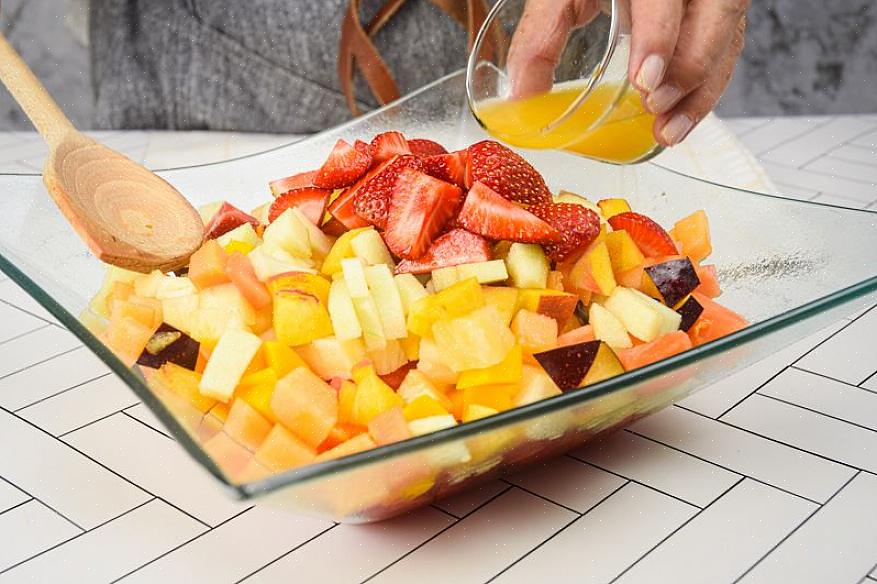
{"x": 386, "y": 295}
{"x": 178, "y": 311}
{"x": 505, "y": 300}
{"x": 478, "y": 340}
{"x": 410, "y": 290}
{"x": 229, "y": 298}
{"x": 528, "y": 266}
{"x": 227, "y": 364}
{"x": 342, "y": 312}
{"x": 354, "y": 275}
{"x": 433, "y": 364}
{"x": 289, "y": 234}
{"x": 269, "y": 261}
{"x": 370, "y": 321}
{"x": 458, "y": 300}
{"x": 370, "y": 247}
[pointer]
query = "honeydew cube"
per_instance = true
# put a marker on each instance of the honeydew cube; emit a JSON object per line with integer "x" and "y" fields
{"x": 290, "y": 234}
{"x": 306, "y": 405}
{"x": 282, "y": 450}
{"x": 386, "y": 295}
{"x": 229, "y": 298}
{"x": 342, "y": 312}
{"x": 331, "y": 357}
{"x": 637, "y": 312}
{"x": 354, "y": 275}
{"x": 410, "y": 290}
{"x": 388, "y": 359}
{"x": 227, "y": 364}
{"x": 528, "y": 266}
{"x": 490, "y": 272}
{"x": 443, "y": 278}
{"x": 270, "y": 261}
{"x": 243, "y": 233}
{"x": 320, "y": 243}
{"x": 246, "y": 425}
{"x": 370, "y": 247}
{"x": 608, "y": 328}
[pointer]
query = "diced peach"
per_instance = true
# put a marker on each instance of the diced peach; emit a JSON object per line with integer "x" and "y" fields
{"x": 306, "y": 405}
{"x": 246, "y": 425}
{"x": 497, "y": 397}
{"x": 424, "y": 406}
{"x": 506, "y": 371}
{"x": 593, "y": 271}
{"x": 535, "y": 332}
{"x": 240, "y": 271}
{"x": 648, "y": 353}
{"x": 584, "y": 334}
{"x": 373, "y": 396}
{"x": 715, "y": 322}
{"x": 359, "y": 443}
{"x": 632, "y": 278}
{"x": 389, "y": 426}
{"x": 555, "y": 280}
{"x": 346, "y": 399}
{"x": 709, "y": 281}
{"x": 693, "y": 232}
{"x": 282, "y": 450}
{"x": 623, "y": 252}
{"x": 339, "y": 434}
{"x": 207, "y": 265}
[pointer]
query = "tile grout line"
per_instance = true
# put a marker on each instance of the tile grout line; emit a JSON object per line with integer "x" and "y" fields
{"x": 92, "y": 422}
{"x": 815, "y": 127}
{"x": 124, "y": 412}
{"x": 46, "y": 360}
{"x": 794, "y": 405}
{"x": 63, "y": 391}
{"x": 283, "y": 555}
{"x": 28, "y": 312}
{"x": 833, "y": 148}
{"x": 24, "y": 334}
{"x": 17, "y": 505}
{"x": 830, "y": 378}
{"x": 543, "y": 497}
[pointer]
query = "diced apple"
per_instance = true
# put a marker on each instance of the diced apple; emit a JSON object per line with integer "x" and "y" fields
{"x": 410, "y": 290}
{"x": 306, "y": 405}
{"x": 330, "y": 357}
{"x": 227, "y": 364}
{"x": 208, "y": 211}
{"x": 474, "y": 412}
{"x": 341, "y": 250}
{"x": 342, "y": 312}
{"x": 640, "y": 318}
{"x": 444, "y": 278}
{"x": 289, "y": 234}
{"x": 178, "y": 311}
{"x": 370, "y": 247}
{"x": 528, "y": 266}
{"x": 608, "y": 328}
{"x": 491, "y": 272}
{"x": 576, "y": 199}
{"x": 386, "y": 295}
{"x": 670, "y": 319}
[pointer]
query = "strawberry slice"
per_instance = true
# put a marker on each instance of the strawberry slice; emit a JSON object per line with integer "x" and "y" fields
{"x": 420, "y": 147}
{"x": 648, "y": 236}
{"x": 310, "y": 201}
{"x": 578, "y": 227}
{"x": 447, "y": 167}
{"x": 372, "y": 198}
{"x": 507, "y": 173}
{"x": 291, "y": 183}
{"x": 389, "y": 144}
{"x": 346, "y": 165}
{"x": 451, "y": 249}
{"x": 487, "y": 213}
{"x": 227, "y": 218}
{"x": 342, "y": 211}
{"x": 421, "y": 206}
{"x": 335, "y": 228}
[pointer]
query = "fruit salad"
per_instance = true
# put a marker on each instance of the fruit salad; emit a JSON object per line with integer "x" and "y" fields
{"x": 401, "y": 289}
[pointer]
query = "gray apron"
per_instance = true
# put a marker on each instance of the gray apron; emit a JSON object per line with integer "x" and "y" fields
{"x": 249, "y": 65}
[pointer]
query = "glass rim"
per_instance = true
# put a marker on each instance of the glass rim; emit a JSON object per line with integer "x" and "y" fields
{"x": 524, "y": 413}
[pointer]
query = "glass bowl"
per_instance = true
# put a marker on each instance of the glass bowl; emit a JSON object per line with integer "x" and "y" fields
{"x": 791, "y": 267}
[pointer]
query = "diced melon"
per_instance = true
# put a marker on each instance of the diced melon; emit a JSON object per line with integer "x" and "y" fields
{"x": 240, "y": 271}
{"x": 290, "y": 234}
{"x": 113, "y": 274}
{"x": 282, "y": 450}
{"x": 341, "y": 250}
{"x": 184, "y": 383}
{"x": 661, "y": 348}
{"x": 410, "y": 290}
{"x": 444, "y": 278}
{"x": 608, "y": 328}
{"x": 256, "y": 389}
{"x": 528, "y": 266}
{"x": 715, "y": 322}
{"x": 388, "y": 301}
{"x": 246, "y": 425}
{"x": 207, "y": 265}
{"x": 370, "y": 321}
{"x": 359, "y": 443}
{"x": 389, "y": 427}
{"x": 354, "y": 275}
{"x": 127, "y": 337}
{"x": 491, "y": 272}
{"x": 331, "y": 357}
{"x": 693, "y": 233}
{"x": 535, "y": 332}
{"x": 306, "y": 405}
{"x": 146, "y": 286}
{"x": 227, "y": 364}
{"x": 370, "y": 247}
{"x": 171, "y": 286}
{"x": 178, "y": 311}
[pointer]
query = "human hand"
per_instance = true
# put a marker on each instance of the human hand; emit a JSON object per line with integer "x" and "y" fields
{"x": 682, "y": 56}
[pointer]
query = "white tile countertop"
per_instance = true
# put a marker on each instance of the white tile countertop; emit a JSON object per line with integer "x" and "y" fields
{"x": 768, "y": 476}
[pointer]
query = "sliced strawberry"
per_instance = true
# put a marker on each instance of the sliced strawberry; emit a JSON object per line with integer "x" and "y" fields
{"x": 507, "y": 173}
{"x": 451, "y": 249}
{"x": 345, "y": 165}
{"x": 335, "y": 228}
{"x": 372, "y": 198}
{"x": 421, "y": 206}
{"x": 447, "y": 167}
{"x": 341, "y": 209}
{"x": 420, "y": 147}
{"x": 227, "y": 218}
{"x": 291, "y": 183}
{"x": 577, "y": 225}
{"x": 487, "y": 213}
{"x": 648, "y": 236}
{"x": 310, "y": 201}
{"x": 389, "y": 144}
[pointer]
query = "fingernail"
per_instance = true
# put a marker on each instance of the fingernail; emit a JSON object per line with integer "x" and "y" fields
{"x": 651, "y": 72}
{"x": 664, "y": 98}
{"x": 676, "y": 129}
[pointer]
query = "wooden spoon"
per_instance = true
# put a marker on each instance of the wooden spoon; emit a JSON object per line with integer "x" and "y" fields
{"x": 128, "y": 216}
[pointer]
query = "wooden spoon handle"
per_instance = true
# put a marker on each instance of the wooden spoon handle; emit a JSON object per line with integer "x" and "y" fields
{"x": 30, "y": 94}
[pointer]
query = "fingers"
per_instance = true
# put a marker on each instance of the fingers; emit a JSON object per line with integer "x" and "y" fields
{"x": 654, "y": 34}
{"x": 673, "y": 126}
{"x": 707, "y": 30}
{"x": 539, "y": 41}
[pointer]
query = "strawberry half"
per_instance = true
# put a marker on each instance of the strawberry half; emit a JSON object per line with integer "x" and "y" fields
{"x": 310, "y": 201}
{"x": 447, "y": 167}
{"x": 389, "y": 144}
{"x": 334, "y": 228}
{"x": 291, "y": 183}
{"x": 420, "y": 147}
{"x": 372, "y": 198}
{"x": 342, "y": 211}
{"x": 648, "y": 236}
{"x": 346, "y": 165}
{"x": 487, "y": 213}
{"x": 451, "y": 249}
{"x": 577, "y": 225}
{"x": 420, "y": 208}
{"x": 507, "y": 173}
{"x": 227, "y": 218}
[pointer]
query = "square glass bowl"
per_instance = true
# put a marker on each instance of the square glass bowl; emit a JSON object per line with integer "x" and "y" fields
{"x": 790, "y": 267}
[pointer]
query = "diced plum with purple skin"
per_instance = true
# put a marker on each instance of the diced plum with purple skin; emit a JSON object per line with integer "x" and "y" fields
{"x": 674, "y": 280}
{"x": 569, "y": 366}
{"x": 690, "y": 310}
{"x": 170, "y": 345}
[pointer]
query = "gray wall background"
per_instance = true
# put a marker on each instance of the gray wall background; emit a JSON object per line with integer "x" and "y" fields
{"x": 802, "y": 57}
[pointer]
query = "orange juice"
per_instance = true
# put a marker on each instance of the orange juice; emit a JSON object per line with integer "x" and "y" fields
{"x": 625, "y": 135}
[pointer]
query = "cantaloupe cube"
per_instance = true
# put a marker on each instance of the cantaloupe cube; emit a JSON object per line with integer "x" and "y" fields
{"x": 373, "y": 396}
{"x": 576, "y": 336}
{"x": 184, "y": 383}
{"x": 228, "y": 454}
{"x": 534, "y": 332}
{"x": 306, "y": 405}
{"x": 98, "y": 304}
{"x": 240, "y": 271}
{"x": 389, "y": 426}
{"x": 127, "y": 337}
{"x": 693, "y": 232}
{"x": 359, "y": 443}
{"x": 424, "y": 406}
{"x": 282, "y": 450}
{"x": 329, "y": 357}
{"x": 648, "y": 353}
{"x": 207, "y": 265}
{"x": 709, "y": 281}
{"x": 715, "y": 322}
{"x": 227, "y": 364}
{"x": 246, "y": 425}
{"x": 506, "y": 371}
{"x": 339, "y": 434}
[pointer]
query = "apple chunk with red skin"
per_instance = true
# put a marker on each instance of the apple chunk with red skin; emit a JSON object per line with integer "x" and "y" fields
{"x": 578, "y": 365}
{"x": 674, "y": 280}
